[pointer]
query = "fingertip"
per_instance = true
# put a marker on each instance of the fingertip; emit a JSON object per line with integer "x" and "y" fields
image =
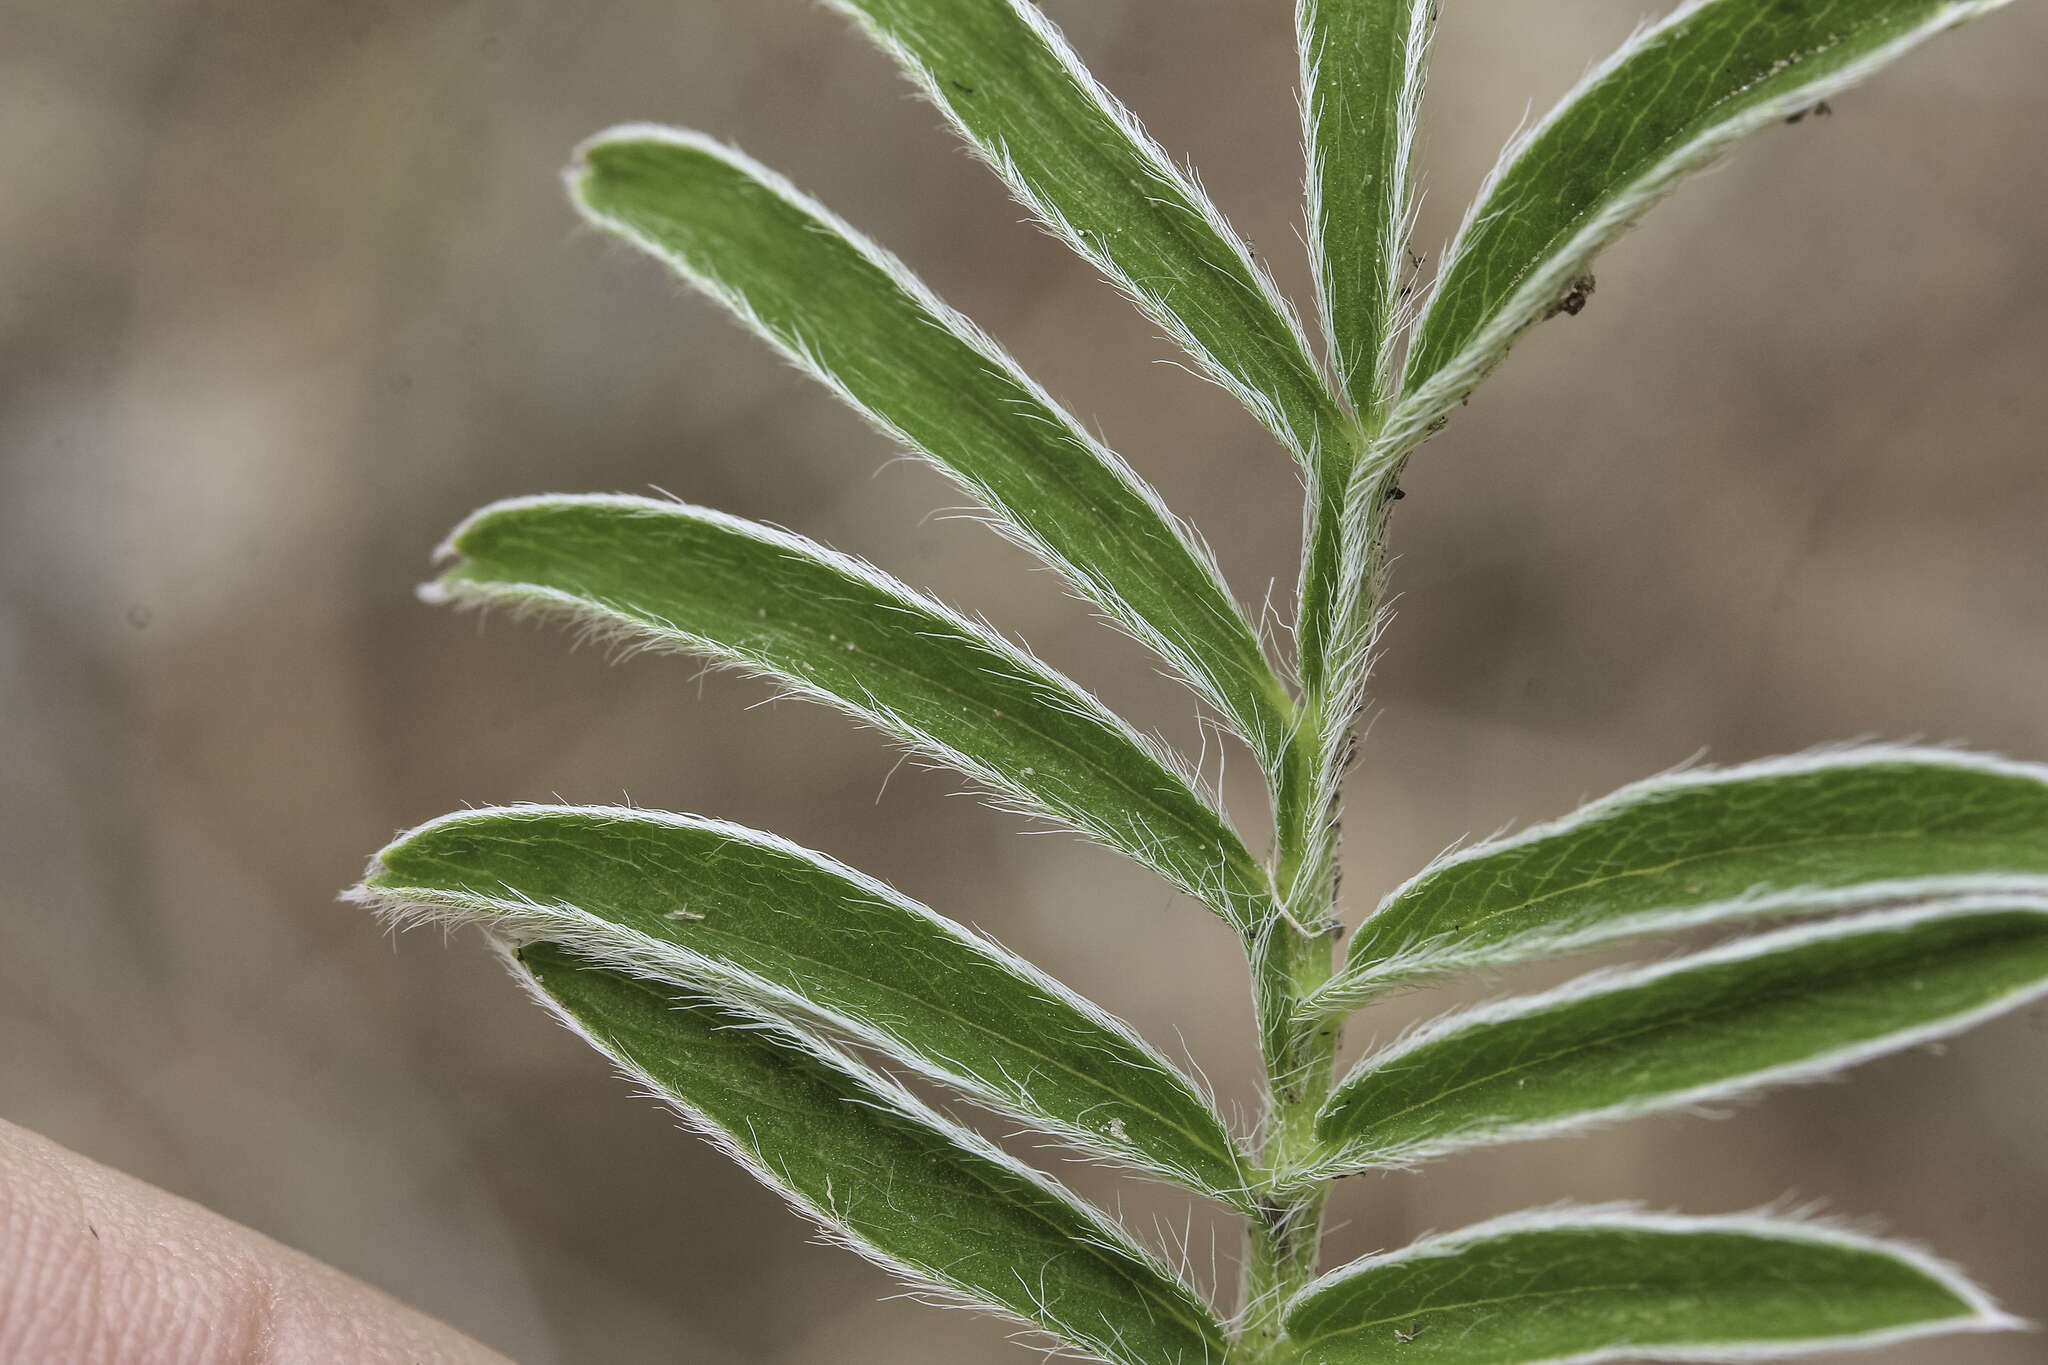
{"x": 97, "y": 1268}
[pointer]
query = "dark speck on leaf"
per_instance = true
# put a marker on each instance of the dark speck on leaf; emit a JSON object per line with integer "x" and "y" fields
{"x": 963, "y": 89}
{"x": 1396, "y": 494}
{"x": 1573, "y": 301}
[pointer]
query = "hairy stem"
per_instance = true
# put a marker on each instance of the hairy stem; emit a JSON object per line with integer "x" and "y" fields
{"x": 1297, "y": 953}
{"x": 1283, "y": 1240}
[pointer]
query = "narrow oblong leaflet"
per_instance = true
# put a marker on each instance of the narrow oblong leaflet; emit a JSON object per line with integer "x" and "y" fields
{"x": 1794, "y": 1005}
{"x": 832, "y": 628}
{"x": 1564, "y": 1285}
{"x": 886, "y": 1176}
{"x": 695, "y": 902}
{"x": 1809, "y": 833}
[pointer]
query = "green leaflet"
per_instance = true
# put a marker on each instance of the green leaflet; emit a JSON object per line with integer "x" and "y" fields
{"x": 1362, "y": 69}
{"x": 892, "y": 1179}
{"x": 1789, "y": 1006}
{"x": 852, "y": 315}
{"x": 840, "y": 631}
{"x": 1606, "y": 1284}
{"x": 1784, "y": 836}
{"x": 1078, "y": 159}
{"x": 1666, "y": 104}
{"x": 694, "y": 902}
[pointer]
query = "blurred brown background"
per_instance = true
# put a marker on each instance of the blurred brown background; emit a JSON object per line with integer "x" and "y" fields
{"x": 287, "y": 287}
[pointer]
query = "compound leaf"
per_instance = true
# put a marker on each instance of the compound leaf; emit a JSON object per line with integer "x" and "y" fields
{"x": 1793, "y": 835}
{"x": 1787, "y": 1006}
{"x": 1669, "y": 102}
{"x": 1362, "y": 69}
{"x": 692, "y": 902}
{"x": 1605, "y": 1284}
{"x": 837, "y": 630}
{"x": 887, "y": 1176}
{"x": 852, "y": 315}
{"x": 1078, "y": 159}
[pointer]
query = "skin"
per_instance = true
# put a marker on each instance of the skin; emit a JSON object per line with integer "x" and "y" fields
{"x": 97, "y": 1268}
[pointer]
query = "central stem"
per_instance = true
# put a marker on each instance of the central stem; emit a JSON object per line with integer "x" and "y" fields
{"x": 1284, "y": 1238}
{"x": 1296, "y": 953}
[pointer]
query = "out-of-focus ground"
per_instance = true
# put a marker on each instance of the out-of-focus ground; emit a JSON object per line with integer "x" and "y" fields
{"x": 288, "y": 287}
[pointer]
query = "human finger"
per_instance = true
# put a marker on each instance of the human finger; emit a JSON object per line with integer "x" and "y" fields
{"x": 98, "y": 1268}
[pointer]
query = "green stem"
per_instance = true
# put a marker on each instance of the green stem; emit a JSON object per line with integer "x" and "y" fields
{"x": 1284, "y": 1239}
{"x": 1297, "y": 953}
